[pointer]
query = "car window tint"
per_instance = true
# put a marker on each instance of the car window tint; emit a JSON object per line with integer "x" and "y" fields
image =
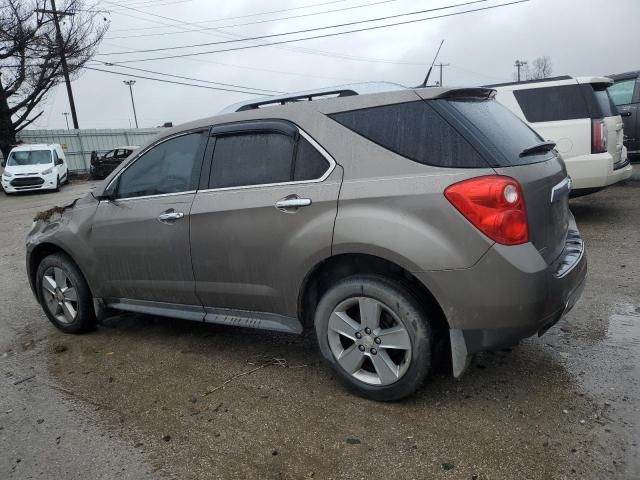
{"x": 547, "y": 104}
{"x": 310, "y": 163}
{"x": 605, "y": 104}
{"x": 170, "y": 167}
{"x": 502, "y": 128}
{"x": 415, "y": 131}
{"x": 622, "y": 91}
{"x": 251, "y": 159}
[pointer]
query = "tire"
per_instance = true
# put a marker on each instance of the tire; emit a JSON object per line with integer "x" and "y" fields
{"x": 340, "y": 310}
{"x": 57, "y": 189}
{"x": 66, "y": 285}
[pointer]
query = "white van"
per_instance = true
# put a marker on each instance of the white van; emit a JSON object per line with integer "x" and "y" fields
{"x": 35, "y": 167}
{"x": 579, "y": 116}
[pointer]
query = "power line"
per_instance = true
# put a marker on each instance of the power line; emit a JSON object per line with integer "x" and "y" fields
{"x": 315, "y": 29}
{"x": 173, "y": 82}
{"x": 372, "y": 4}
{"x": 228, "y": 18}
{"x": 258, "y": 90}
{"x": 309, "y": 51}
{"x": 320, "y": 36}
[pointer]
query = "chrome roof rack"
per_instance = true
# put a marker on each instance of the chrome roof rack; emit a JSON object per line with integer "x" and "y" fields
{"x": 311, "y": 95}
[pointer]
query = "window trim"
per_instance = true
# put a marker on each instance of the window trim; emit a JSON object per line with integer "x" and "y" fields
{"x": 302, "y": 133}
{"x": 144, "y": 151}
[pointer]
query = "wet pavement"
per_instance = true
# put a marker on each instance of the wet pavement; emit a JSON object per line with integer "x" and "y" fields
{"x": 145, "y": 397}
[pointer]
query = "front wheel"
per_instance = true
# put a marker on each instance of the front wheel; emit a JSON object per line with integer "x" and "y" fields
{"x": 376, "y": 336}
{"x": 64, "y": 294}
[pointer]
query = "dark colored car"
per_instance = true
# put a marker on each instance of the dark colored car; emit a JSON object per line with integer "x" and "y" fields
{"x": 625, "y": 93}
{"x": 101, "y": 167}
{"x": 390, "y": 223}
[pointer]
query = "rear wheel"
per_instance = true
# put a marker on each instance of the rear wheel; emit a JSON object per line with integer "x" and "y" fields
{"x": 376, "y": 335}
{"x": 64, "y": 294}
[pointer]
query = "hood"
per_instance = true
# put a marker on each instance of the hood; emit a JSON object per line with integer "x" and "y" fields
{"x": 27, "y": 169}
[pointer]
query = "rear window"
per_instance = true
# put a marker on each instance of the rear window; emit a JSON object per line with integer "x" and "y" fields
{"x": 504, "y": 131}
{"x": 415, "y": 131}
{"x": 605, "y": 105}
{"x": 549, "y": 104}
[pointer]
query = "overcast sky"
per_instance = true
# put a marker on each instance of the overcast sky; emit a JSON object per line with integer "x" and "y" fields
{"x": 582, "y": 37}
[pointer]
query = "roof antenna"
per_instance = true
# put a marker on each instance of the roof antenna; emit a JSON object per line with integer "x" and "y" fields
{"x": 426, "y": 79}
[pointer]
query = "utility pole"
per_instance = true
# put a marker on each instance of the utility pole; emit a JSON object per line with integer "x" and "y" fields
{"x": 520, "y": 64}
{"x": 441, "y": 65}
{"x": 63, "y": 59}
{"x": 66, "y": 118}
{"x": 131, "y": 83}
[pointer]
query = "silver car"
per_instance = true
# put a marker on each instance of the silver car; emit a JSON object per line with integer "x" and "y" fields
{"x": 389, "y": 222}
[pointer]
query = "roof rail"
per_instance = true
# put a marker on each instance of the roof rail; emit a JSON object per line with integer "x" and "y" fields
{"x": 339, "y": 91}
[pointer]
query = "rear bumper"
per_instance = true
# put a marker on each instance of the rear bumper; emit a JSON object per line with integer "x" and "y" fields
{"x": 510, "y": 294}
{"x": 597, "y": 171}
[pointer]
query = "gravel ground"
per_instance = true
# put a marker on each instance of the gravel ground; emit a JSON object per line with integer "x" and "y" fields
{"x": 145, "y": 397}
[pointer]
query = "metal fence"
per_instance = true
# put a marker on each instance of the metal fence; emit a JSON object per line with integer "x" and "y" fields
{"x": 78, "y": 144}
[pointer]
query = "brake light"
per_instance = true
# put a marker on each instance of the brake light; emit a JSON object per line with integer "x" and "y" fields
{"x": 494, "y": 205}
{"x": 598, "y": 136}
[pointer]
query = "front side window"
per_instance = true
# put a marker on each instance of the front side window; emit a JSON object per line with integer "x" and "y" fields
{"x": 548, "y": 104}
{"x": 32, "y": 157}
{"x": 621, "y": 92}
{"x": 172, "y": 166}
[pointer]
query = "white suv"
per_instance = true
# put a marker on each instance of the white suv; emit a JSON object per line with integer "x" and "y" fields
{"x": 579, "y": 116}
{"x": 35, "y": 167}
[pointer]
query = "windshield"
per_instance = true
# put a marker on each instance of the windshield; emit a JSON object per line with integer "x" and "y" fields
{"x": 29, "y": 157}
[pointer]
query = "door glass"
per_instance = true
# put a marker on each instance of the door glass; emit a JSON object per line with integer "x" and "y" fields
{"x": 170, "y": 167}
{"x": 622, "y": 92}
{"x": 251, "y": 159}
{"x": 310, "y": 163}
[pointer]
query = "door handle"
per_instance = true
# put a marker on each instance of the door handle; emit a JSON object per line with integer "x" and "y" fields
{"x": 170, "y": 216}
{"x": 291, "y": 203}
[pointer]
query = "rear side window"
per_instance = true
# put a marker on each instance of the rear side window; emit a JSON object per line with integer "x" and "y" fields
{"x": 621, "y": 92}
{"x": 548, "y": 104}
{"x": 251, "y": 159}
{"x": 310, "y": 163}
{"x": 415, "y": 131}
{"x": 504, "y": 131}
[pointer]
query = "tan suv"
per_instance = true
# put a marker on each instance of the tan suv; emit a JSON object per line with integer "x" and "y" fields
{"x": 385, "y": 221}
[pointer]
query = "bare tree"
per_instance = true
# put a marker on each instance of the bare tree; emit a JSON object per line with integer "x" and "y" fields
{"x": 541, "y": 68}
{"x": 30, "y": 56}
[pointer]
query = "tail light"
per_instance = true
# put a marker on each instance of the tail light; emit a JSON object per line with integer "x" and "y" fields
{"x": 598, "y": 136}
{"x": 494, "y": 205}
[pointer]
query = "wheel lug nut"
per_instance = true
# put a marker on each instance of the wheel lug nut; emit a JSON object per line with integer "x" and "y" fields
{"x": 377, "y": 340}
{"x": 373, "y": 351}
{"x": 367, "y": 330}
{"x": 361, "y": 348}
{"x": 358, "y": 335}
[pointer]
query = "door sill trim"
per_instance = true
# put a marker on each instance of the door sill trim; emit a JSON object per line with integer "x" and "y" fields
{"x": 197, "y": 313}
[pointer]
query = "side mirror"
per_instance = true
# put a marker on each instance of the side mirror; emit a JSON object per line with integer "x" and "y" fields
{"x": 59, "y": 161}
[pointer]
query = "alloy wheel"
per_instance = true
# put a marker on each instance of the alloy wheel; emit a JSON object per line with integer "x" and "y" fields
{"x": 60, "y": 295}
{"x": 369, "y": 341}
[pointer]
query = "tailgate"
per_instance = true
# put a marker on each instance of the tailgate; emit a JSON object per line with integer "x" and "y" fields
{"x": 546, "y": 191}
